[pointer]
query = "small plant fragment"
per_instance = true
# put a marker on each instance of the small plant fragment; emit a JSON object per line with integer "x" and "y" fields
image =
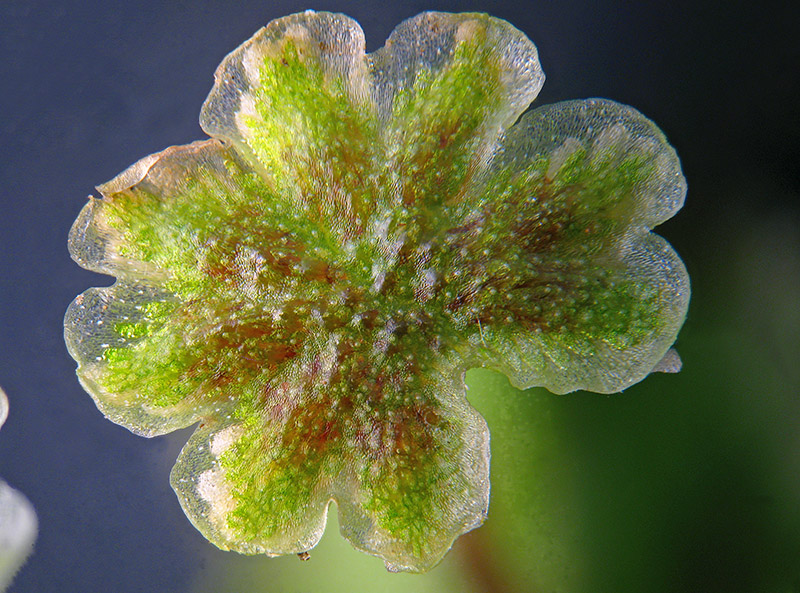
{"x": 18, "y": 522}
{"x": 312, "y": 283}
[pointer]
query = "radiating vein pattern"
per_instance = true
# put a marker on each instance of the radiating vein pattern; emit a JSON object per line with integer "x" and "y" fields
{"x": 313, "y": 282}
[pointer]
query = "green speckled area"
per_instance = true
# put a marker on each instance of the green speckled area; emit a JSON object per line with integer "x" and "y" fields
{"x": 313, "y": 282}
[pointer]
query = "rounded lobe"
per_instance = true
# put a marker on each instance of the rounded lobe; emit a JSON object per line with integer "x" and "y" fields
{"x": 581, "y": 142}
{"x": 317, "y": 43}
{"x": 587, "y": 297}
{"x": 409, "y": 506}
{"x": 446, "y": 86}
{"x": 126, "y": 362}
{"x": 253, "y": 508}
{"x": 423, "y": 48}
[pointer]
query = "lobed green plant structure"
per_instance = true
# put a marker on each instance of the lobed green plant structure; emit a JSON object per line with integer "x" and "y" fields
{"x": 312, "y": 283}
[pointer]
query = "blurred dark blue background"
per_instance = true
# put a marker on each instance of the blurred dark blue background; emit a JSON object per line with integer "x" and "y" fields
{"x": 685, "y": 483}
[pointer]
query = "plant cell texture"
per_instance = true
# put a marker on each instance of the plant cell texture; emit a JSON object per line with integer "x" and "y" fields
{"x": 312, "y": 282}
